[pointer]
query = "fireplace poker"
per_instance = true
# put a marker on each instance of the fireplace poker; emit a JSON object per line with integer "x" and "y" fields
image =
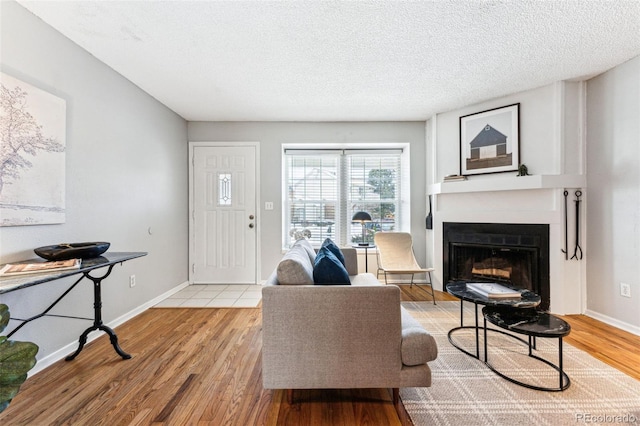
{"x": 566, "y": 230}
{"x": 577, "y": 253}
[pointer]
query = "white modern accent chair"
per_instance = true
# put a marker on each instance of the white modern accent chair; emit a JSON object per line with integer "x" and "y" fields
{"x": 395, "y": 256}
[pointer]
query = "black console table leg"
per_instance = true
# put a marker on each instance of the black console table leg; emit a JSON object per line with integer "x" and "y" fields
{"x": 81, "y": 342}
{"x": 114, "y": 341}
{"x": 112, "y": 337}
{"x": 97, "y": 319}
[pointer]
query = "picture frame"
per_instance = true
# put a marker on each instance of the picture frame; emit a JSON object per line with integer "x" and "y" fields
{"x": 490, "y": 141}
{"x": 32, "y": 181}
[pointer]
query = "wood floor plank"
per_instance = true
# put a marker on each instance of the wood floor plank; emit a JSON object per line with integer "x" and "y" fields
{"x": 204, "y": 367}
{"x": 618, "y": 348}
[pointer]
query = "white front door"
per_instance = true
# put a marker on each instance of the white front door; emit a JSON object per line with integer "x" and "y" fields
{"x": 223, "y": 235}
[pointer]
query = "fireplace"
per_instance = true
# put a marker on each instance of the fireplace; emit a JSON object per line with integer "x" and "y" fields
{"x": 513, "y": 254}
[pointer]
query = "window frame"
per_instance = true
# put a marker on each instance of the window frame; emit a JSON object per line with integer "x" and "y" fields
{"x": 345, "y": 228}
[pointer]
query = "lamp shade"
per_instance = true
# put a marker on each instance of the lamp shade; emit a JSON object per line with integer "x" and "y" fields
{"x": 361, "y": 217}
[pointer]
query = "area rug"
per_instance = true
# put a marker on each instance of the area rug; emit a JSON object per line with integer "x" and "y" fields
{"x": 465, "y": 391}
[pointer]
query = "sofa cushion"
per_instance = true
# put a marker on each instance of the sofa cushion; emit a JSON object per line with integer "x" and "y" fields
{"x": 328, "y": 270}
{"x": 308, "y": 248}
{"x": 418, "y": 346}
{"x": 295, "y": 267}
{"x": 364, "y": 279}
{"x": 328, "y": 243}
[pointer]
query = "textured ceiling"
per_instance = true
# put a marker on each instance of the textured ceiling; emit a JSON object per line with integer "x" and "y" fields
{"x": 344, "y": 61}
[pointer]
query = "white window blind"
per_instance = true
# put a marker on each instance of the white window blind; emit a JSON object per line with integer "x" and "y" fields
{"x": 312, "y": 195}
{"x": 324, "y": 188}
{"x": 373, "y": 187}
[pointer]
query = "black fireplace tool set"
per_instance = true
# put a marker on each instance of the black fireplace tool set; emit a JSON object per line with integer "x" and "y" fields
{"x": 577, "y": 252}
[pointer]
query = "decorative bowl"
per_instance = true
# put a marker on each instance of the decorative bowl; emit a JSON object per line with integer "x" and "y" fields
{"x": 72, "y": 251}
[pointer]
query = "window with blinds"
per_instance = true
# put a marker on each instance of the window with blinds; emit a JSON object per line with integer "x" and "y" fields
{"x": 324, "y": 188}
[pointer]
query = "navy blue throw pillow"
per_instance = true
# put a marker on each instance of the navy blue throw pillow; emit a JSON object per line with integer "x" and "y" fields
{"x": 328, "y": 243}
{"x": 328, "y": 270}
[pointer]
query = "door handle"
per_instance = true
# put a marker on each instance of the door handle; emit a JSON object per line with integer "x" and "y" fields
{"x": 251, "y": 225}
{"x": 251, "y": 217}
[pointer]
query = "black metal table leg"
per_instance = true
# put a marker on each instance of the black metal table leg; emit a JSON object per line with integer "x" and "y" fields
{"x": 477, "y": 337}
{"x": 475, "y": 327}
{"x": 26, "y": 321}
{"x": 560, "y": 368}
{"x": 485, "y": 340}
{"x": 464, "y": 327}
{"x": 97, "y": 319}
{"x": 366, "y": 260}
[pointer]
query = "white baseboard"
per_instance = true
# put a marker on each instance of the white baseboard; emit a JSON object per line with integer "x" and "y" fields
{"x": 71, "y": 347}
{"x": 613, "y": 322}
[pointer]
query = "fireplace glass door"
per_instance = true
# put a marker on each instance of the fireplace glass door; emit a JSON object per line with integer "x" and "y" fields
{"x": 514, "y": 266}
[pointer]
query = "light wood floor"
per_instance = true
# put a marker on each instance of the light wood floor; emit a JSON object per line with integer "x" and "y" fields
{"x": 202, "y": 367}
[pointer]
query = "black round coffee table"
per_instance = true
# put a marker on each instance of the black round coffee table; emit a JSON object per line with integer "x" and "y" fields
{"x": 459, "y": 289}
{"x": 533, "y": 324}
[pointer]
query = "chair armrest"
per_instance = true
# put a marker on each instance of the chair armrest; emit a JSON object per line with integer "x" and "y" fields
{"x": 350, "y": 260}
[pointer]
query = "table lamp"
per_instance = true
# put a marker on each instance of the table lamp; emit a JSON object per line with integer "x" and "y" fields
{"x": 362, "y": 217}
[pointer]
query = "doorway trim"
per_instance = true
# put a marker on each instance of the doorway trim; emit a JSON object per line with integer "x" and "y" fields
{"x": 258, "y": 221}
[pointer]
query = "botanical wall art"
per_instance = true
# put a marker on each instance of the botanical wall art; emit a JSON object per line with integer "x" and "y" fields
{"x": 490, "y": 141}
{"x": 32, "y": 154}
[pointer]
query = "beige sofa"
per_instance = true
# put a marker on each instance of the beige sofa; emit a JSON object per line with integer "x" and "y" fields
{"x": 340, "y": 336}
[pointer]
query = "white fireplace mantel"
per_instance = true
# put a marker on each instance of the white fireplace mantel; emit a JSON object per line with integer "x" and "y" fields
{"x": 536, "y": 199}
{"x": 553, "y": 141}
{"x": 511, "y": 183}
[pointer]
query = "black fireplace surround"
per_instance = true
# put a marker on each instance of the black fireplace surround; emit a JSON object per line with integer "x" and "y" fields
{"x": 513, "y": 254}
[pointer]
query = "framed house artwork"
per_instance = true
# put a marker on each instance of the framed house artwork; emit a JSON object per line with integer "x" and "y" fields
{"x": 32, "y": 154}
{"x": 490, "y": 141}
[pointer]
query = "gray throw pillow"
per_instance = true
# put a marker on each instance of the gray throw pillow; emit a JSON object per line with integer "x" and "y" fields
{"x": 303, "y": 242}
{"x": 295, "y": 267}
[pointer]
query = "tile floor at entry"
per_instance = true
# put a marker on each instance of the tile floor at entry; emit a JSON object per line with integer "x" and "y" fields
{"x": 214, "y": 296}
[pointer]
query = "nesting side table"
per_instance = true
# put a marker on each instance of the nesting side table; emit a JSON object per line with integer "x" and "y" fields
{"x": 531, "y": 323}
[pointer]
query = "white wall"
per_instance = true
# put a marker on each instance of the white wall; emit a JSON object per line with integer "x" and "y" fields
{"x": 126, "y": 173}
{"x": 585, "y": 135}
{"x": 271, "y": 137}
{"x": 613, "y": 136}
{"x": 549, "y": 131}
{"x": 552, "y": 147}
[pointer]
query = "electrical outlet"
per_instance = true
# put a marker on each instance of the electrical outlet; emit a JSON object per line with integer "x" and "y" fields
{"x": 132, "y": 281}
{"x": 268, "y": 205}
{"x": 625, "y": 290}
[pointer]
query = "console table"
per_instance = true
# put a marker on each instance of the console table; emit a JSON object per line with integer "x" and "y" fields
{"x": 107, "y": 260}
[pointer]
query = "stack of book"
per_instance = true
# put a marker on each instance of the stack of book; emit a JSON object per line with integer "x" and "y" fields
{"x": 454, "y": 178}
{"x": 39, "y": 267}
{"x": 493, "y": 290}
